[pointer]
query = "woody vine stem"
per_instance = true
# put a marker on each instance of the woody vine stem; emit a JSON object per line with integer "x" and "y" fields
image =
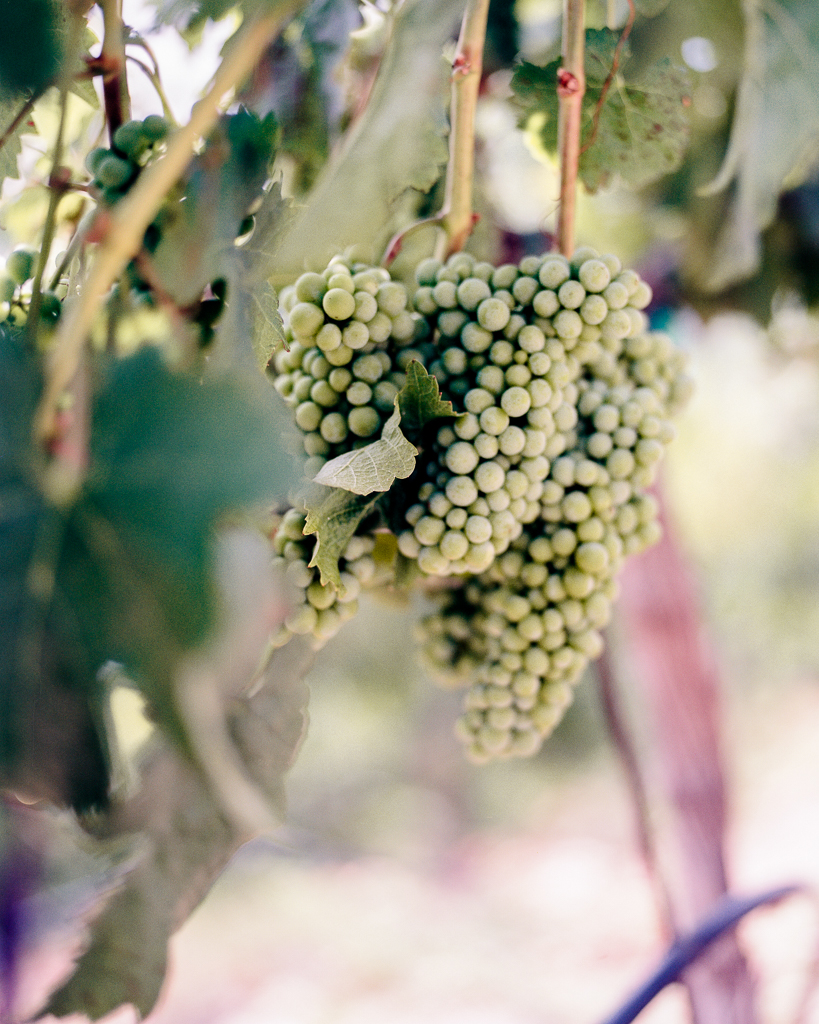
{"x": 571, "y": 85}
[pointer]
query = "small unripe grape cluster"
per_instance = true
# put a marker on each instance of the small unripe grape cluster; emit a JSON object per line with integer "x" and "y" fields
{"x": 21, "y": 265}
{"x": 114, "y": 170}
{"x": 318, "y": 610}
{"x": 532, "y": 496}
{"x": 350, "y": 338}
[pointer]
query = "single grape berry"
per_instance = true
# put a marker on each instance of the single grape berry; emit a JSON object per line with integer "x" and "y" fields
{"x": 155, "y": 128}
{"x": 20, "y": 264}
{"x": 113, "y": 172}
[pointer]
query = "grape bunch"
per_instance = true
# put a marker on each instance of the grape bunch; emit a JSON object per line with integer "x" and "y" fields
{"x": 15, "y": 292}
{"x": 320, "y": 611}
{"x": 529, "y": 499}
{"x": 115, "y": 170}
{"x": 350, "y": 336}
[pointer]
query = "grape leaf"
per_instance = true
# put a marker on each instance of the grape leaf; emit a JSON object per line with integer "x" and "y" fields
{"x": 334, "y": 521}
{"x": 125, "y": 571}
{"x": 643, "y": 128}
{"x": 420, "y": 399}
{"x": 376, "y": 466}
{"x": 194, "y": 820}
{"x": 12, "y": 147}
{"x": 396, "y": 145}
{"x": 29, "y": 47}
{"x": 774, "y": 130}
{"x": 299, "y": 80}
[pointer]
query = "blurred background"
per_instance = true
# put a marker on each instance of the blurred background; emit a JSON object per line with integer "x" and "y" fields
{"x": 410, "y": 885}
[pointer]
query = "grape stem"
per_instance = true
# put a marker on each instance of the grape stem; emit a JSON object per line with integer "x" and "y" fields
{"x": 456, "y": 217}
{"x": 122, "y": 228}
{"x": 59, "y": 179}
{"x": 615, "y": 64}
{"x": 571, "y": 86}
{"x": 112, "y": 58}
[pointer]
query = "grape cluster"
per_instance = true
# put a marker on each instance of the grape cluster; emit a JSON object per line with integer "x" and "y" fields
{"x": 350, "y": 336}
{"x": 114, "y": 170}
{"x": 320, "y": 611}
{"x": 530, "y": 499}
{"x": 15, "y": 296}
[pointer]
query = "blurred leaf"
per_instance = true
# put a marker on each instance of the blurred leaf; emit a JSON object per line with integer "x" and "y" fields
{"x": 125, "y": 572}
{"x": 376, "y": 466}
{"x": 420, "y": 399}
{"x": 651, "y": 8}
{"x": 223, "y": 183}
{"x": 12, "y": 147}
{"x": 643, "y": 128}
{"x": 190, "y": 840}
{"x": 334, "y": 520}
{"x": 252, "y": 307}
{"x": 298, "y": 79}
{"x": 396, "y": 145}
{"x": 774, "y": 131}
{"x": 30, "y": 48}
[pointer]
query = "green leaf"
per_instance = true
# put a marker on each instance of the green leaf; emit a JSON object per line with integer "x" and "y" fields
{"x": 334, "y": 520}
{"x": 195, "y": 818}
{"x": 773, "y": 135}
{"x": 199, "y": 232}
{"x": 642, "y": 128}
{"x": 30, "y": 48}
{"x": 396, "y": 145}
{"x": 376, "y": 466}
{"x": 420, "y": 399}
{"x": 125, "y": 572}
{"x": 12, "y": 147}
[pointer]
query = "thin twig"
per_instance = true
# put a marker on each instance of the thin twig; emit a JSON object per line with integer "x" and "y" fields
{"x": 155, "y": 81}
{"x": 132, "y": 215}
{"x": 571, "y": 85}
{"x": 615, "y": 64}
{"x": 57, "y": 179}
{"x": 456, "y": 215}
{"x": 28, "y": 106}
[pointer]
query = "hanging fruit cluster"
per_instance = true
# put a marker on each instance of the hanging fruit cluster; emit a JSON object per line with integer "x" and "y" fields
{"x": 526, "y": 495}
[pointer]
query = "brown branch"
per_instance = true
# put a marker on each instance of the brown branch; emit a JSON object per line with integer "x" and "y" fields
{"x": 571, "y": 86}
{"x": 112, "y": 57}
{"x": 615, "y": 64}
{"x": 456, "y": 214}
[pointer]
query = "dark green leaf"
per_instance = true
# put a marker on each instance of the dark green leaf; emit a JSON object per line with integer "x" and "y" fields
{"x": 30, "y": 49}
{"x": 642, "y": 127}
{"x": 420, "y": 399}
{"x": 335, "y": 520}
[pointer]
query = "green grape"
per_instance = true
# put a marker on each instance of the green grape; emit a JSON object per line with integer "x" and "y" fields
{"x": 7, "y": 289}
{"x": 94, "y": 158}
{"x": 50, "y": 307}
{"x": 20, "y": 263}
{"x": 472, "y": 292}
{"x": 493, "y": 314}
{"x": 338, "y": 303}
{"x": 130, "y": 140}
{"x": 155, "y": 128}
{"x": 594, "y": 275}
{"x": 364, "y": 421}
